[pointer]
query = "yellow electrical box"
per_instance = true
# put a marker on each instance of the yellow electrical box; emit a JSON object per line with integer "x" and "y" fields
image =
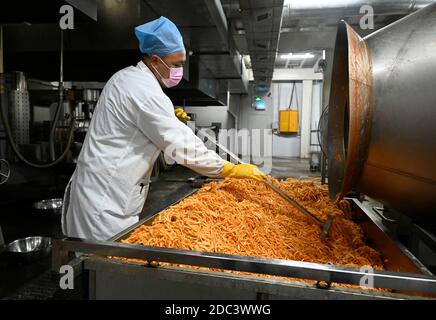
{"x": 289, "y": 121}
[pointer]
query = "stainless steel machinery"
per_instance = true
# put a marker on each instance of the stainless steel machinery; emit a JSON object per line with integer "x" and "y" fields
{"x": 406, "y": 277}
{"x": 382, "y": 114}
{"x": 20, "y": 113}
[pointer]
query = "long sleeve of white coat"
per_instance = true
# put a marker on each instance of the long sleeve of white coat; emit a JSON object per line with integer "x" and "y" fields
{"x": 156, "y": 119}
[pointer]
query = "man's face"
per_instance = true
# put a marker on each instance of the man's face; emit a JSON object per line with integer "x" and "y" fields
{"x": 173, "y": 60}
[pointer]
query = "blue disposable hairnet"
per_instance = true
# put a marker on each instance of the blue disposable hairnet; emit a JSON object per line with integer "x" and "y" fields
{"x": 159, "y": 37}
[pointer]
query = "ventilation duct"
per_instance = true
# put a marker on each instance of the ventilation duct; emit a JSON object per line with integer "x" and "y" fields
{"x": 262, "y": 21}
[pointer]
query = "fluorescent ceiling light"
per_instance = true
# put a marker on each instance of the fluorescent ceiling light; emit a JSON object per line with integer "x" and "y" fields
{"x": 292, "y": 56}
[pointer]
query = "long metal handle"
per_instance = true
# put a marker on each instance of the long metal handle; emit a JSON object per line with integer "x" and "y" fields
{"x": 60, "y": 100}
{"x": 233, "y": 156}
{"x": 288, "y": 198}
{"x": 283, "y": 194}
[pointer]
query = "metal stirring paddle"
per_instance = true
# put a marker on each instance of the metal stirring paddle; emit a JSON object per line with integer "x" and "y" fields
{"x": 325, "y": 226}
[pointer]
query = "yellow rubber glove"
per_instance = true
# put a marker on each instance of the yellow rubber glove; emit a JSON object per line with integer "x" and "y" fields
{"x": 181, "y": 114}
{"x": 242, "y": 171}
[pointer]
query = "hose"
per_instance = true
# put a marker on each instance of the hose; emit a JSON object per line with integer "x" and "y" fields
{"x": 60, "y": 102}
{"x": 8, "y": 130}
{"x": 14, "y": 146}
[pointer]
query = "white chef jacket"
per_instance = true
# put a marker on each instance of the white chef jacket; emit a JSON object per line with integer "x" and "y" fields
{"x": 133, "y": 122}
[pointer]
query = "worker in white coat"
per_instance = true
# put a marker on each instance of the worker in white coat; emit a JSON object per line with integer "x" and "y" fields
{"x": 133, "y": 122}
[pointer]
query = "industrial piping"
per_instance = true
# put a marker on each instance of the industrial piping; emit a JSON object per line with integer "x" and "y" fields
{"x": 5, "y": 122}
{"x": 320, "y": 9}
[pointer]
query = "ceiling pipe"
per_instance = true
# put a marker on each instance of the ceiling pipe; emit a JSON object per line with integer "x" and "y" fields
{"x": 262, "y": 22}
{"x": 88, "y": 7}
{"x": 218, "y": 16}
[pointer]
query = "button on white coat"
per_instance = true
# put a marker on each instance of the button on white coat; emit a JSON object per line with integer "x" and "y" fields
{"x": 133, "y": 122}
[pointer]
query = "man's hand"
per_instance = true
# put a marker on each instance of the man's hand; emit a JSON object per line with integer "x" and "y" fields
{"x": 181, "y": 114}
{"x": 242, "y": 171}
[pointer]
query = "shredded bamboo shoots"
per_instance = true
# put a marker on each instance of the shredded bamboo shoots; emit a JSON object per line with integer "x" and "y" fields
{"x": 245, "y": 217}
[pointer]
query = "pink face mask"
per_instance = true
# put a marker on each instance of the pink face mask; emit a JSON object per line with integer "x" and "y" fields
{"x": 176, "y": 75}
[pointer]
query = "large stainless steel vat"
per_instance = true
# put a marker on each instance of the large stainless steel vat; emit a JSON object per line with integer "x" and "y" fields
{"x": 109, "y": 278}
{"x": 382, "y": 115}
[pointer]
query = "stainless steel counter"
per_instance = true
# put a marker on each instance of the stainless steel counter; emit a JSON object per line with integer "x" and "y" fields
{"x": 110, "y": 278}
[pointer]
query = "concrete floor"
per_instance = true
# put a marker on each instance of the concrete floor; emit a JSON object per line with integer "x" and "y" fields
{"x": 292, "y": 168}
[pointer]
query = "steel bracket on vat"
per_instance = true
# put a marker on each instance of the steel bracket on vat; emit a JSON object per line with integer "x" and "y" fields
{"x": 275, "y": 267}
{"x": 350, "y": 111}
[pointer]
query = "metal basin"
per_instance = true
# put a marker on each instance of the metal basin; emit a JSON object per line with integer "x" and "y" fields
{"x": 29, "y": 249}
{"x": 49, "y": 206}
